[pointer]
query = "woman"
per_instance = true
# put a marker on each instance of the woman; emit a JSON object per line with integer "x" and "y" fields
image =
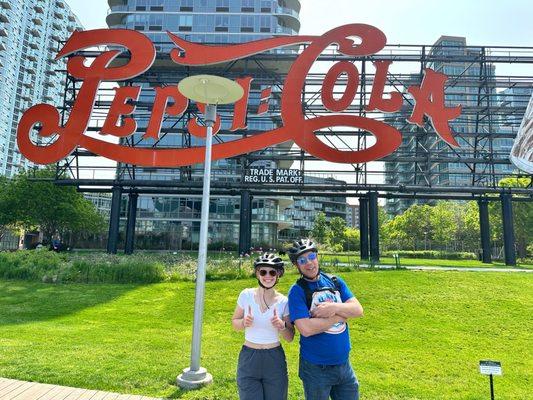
{"x": 263, "y": 314}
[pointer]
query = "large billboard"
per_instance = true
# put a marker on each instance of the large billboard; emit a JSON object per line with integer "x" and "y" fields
{"x": 427, "y": 99}
{"x": 522, "y": 151}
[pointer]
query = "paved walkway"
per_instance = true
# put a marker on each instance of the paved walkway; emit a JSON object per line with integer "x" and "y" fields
{"x": 12, "y": 389}
{"x": 432, "y": 268}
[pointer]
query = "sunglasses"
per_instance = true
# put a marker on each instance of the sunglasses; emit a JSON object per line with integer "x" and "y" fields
{"x": 271, "y": 272}
{"x": 302, "y": 260}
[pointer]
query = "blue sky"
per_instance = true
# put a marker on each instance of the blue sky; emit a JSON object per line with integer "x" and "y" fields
{"x": 482, "y": 22}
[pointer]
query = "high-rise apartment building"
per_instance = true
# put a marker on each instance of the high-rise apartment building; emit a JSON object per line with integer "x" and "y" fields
{"x": 473, "y": 88}
{"x": 30, "y": 36}
{"x": 173, "y": 221}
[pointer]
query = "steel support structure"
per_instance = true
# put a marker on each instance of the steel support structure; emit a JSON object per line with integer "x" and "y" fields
{"x": 245, "y": 226}
{"x": 363, "y": 227}
{"x": 508, "y": 230}
{"x": 130, "y": 223}
{"x": 484, "y": 228}
{"x": 114, "y": 220}
{"x": 418, "y": 171}
{"x": 373, "y": 225}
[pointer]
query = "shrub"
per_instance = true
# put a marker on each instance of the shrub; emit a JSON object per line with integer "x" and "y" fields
{"x": 30, "y": 265}
{"x": 432, "y": 254}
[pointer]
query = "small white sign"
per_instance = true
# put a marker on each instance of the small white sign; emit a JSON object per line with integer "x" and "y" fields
{"x": 487, "y": 367}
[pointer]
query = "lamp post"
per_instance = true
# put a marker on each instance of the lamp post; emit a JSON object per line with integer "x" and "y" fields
{"x": 210, "y": 90}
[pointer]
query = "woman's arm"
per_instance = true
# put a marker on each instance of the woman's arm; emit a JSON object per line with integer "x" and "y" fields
{"x": 288, "y": 332}
{"x": 237, "y": 321}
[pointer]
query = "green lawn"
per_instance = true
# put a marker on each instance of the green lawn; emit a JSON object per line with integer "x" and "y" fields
{"x": 422, "y": 336}
{"x": 429, "y": 262}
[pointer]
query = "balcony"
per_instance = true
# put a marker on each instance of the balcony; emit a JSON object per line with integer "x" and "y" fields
{"x": 4, "y": 18}
{"x": 60, "y": 4}
{"x": 5, "y": 5}
{"x": 38, "y": 9}
{"x": 288, "y": 18}
{"x": 115, "y": 15}
{"x": 37, "y": 21}
{"x": 285, "y": 30}
{"x": 35, "y": 33}
{"x": 3, "y": 32}
{"x": 114, "y": 3}
{"x": 287, "y": 11}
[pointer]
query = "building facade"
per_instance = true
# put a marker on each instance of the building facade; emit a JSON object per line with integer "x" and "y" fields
{"x": 470, "y": 84}
{"x": 30, "y": 35}
{"x": 303, "y": 211}
{"x": 352, "y": 215}
{"x": 172, "y": 222}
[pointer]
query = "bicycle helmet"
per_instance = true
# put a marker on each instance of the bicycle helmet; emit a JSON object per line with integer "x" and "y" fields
{"x": 270, "y": 260}
{"x": 301, "y": 246}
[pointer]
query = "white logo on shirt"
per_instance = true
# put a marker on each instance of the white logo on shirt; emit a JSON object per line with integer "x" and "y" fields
{"x": 326, "y": 296}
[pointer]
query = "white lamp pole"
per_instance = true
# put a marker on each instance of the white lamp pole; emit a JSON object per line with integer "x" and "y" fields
{"x": 210, "y": 90}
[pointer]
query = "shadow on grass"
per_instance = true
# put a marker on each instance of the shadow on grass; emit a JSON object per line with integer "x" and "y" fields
{"x": 23, "y": 302}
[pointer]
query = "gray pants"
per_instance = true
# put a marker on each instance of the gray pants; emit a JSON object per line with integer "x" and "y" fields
{"x": 262, "y": 374}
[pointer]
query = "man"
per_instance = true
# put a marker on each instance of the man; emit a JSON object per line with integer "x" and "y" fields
{"x": 319, "y": 306}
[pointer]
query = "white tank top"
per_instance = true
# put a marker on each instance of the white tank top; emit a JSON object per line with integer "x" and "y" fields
{"x": 262, "y": 331}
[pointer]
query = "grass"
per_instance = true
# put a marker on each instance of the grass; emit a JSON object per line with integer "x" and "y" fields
{"x": 422, "y": 336}
{"x": 430, "y": 262}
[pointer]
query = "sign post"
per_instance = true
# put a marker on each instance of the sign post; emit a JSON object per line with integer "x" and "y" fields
{"x": 211, "y": 91}
{"x": 490, "y": 368}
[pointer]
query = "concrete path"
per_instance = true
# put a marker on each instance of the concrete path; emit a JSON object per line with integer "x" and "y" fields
{"x": 432, "y": 268}
{"x": 12, "y": 389}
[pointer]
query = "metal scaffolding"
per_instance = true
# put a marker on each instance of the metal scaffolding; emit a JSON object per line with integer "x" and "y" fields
{"x": 423, "y": 167}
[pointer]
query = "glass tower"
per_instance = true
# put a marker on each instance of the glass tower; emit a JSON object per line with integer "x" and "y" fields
{"x": 30, "y": 36}
{"x": 454, "y": 61}
{"x": 172, "y": 222}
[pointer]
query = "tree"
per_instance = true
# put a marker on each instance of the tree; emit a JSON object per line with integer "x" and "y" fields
{"x": 7, "y": 217}
{"x": 320, "y": 228}
{"x": 37, "y": 202}
{"x": 352, "y": 239}
{"x": 412, "y": 229}
{"x": 336, "y": 234}
{"x": 443, "y": 222}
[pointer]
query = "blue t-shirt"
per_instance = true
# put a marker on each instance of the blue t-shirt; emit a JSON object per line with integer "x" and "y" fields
{"x": 327, "y": 348}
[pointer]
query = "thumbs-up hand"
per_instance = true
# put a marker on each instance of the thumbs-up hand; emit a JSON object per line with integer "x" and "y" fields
{"x": 276, "y": 321}
{"x": 248, "y": 319}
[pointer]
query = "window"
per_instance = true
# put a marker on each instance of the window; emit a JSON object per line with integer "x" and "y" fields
{"x": 222, "y": 5}
{"x": 247, "y": 6}
{"x": 221, "y": 23}
{"x": 247, "y": 23}
{"x": 186, "y": 5}
{"x": 265, "y": 24}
